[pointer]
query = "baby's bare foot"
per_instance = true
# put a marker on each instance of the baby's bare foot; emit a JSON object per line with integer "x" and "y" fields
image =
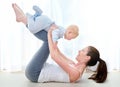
{"x": 20, "y": 16}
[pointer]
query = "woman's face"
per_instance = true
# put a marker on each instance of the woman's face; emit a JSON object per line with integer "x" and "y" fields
{"x": 82, "y": 54}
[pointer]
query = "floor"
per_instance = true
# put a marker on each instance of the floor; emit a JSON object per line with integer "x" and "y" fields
{"x": 19, "y": 80}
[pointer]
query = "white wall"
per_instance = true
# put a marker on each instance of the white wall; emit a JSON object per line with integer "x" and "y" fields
{"x": 98, "y": 20}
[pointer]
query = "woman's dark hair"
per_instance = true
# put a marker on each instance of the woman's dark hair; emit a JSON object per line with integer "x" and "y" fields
{"x": 101, "y": 72}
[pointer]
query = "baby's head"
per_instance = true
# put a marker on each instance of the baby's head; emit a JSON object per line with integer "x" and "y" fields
{"x": 72, "y": 32}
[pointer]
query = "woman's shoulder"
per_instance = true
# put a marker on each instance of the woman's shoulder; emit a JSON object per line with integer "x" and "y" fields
{"x": 74, "y": 73}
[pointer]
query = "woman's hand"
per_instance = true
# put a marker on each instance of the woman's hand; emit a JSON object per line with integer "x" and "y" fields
{"x": 53, "y": 26}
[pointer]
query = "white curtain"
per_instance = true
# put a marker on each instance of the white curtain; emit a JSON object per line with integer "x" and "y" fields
{"x": 98, "y": 20}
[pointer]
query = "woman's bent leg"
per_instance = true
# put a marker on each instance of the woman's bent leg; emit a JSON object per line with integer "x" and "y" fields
{"x": 34, "y": 67}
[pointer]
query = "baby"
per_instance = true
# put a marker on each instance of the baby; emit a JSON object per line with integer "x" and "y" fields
{"x": 37, "y": 22}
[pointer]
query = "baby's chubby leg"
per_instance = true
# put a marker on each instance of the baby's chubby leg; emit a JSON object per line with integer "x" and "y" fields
{"x": 20, "y": 16}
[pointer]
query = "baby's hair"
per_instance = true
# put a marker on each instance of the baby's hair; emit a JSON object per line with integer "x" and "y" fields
{"x": 74, "y": 29}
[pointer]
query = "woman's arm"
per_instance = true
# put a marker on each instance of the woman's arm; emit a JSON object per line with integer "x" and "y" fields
{"x": 53, "y": 46}
{"x": 53, "y": 27}
{"x": 61, "y": 60}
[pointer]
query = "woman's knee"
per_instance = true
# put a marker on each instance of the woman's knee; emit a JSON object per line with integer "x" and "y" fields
{"x": 42, "y": 35}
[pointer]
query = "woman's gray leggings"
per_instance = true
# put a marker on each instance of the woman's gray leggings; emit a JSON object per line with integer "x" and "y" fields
{"x": 33, "y": 69}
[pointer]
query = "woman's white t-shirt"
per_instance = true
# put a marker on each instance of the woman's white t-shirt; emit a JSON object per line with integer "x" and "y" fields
{"x": 52, "y": 72}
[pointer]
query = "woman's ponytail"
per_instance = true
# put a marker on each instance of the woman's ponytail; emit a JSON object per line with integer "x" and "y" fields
{"x": 101, "y": 73}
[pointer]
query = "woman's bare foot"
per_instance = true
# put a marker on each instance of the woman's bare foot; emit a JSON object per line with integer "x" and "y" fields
{"x": 20, "y": 16}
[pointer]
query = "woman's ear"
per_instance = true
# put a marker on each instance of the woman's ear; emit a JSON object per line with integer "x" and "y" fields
{"x": 88, "y": 58}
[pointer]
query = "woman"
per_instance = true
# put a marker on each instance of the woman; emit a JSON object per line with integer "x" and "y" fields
{"x": 40, "y": 71}
{"x": 86, "y": 57}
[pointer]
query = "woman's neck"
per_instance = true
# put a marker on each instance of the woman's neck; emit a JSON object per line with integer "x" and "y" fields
{"x": 81, "y": 66}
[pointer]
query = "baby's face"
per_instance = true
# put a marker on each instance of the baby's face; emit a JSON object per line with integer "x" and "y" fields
{"x": 71, "y": 32}
{"x": 70, "y": 36}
